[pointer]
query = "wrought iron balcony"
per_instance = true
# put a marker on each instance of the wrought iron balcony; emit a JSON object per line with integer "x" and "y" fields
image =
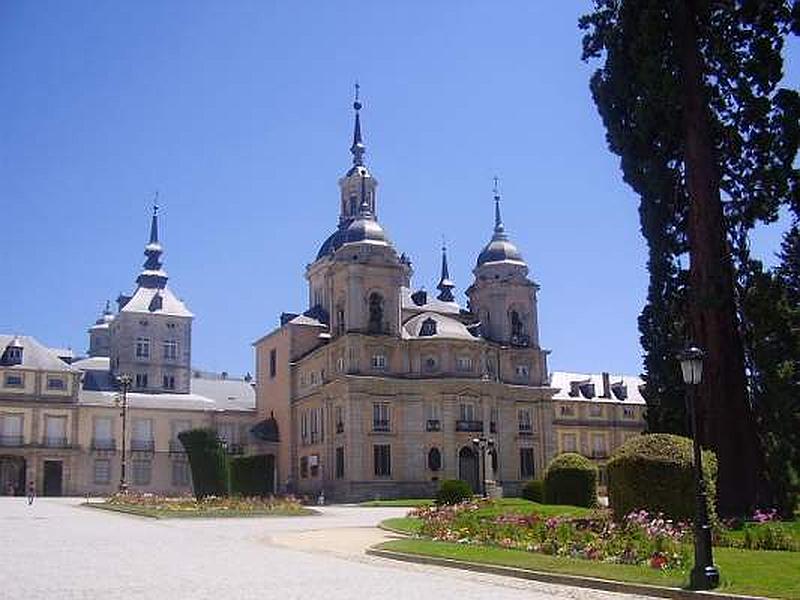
{"x": 235, "y": 449}
{"x": 433, "y": 425}
{"x": 104, "y": 444}
{"x": 381, "y": 425}
{"x": 143, "y": 445}
{"x": 55, "y": 442}
{"x": 11, "y": 441}
{"x": 466, "y": 425}
{"x": 175, "y": 447}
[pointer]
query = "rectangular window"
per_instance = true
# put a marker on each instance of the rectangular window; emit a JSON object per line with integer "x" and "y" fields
{"x": 382, "y": 454}
{"x": 598, "y": 445}
{"x": 380, "y": 416}
{"x": 11, "y": 430}
{"x": 628, "y": 412}
{"x": 102, "y": 471}
{"x": 142, "y": 347}
{"x": 56, "y": 383}
{"x": 169, "y": 382}
{"x": 567, "y": 410}
{"x": 315, "y": 418}
{"x": 102, "y": 433}
{"x": 524, "y": 418}
{"x": 142, "y": 435}
{"x": 170, "y": 349}
{"x": 523, "y": 371}
{"x": 467, "y": 411}
{"x": 15, "y": 380}
{"x": 340, "y": 462}
{"x": 526, "y": 470}
{"x": 596, "y": 410}
{"x": 142, "y": 472}
{"x": 304, "y": 467}
{"x": 379, "y": 362}
{"x": 340, "y": 365}
{"x": 180, "y": 473}
{"x": 273, "y": 362}
{"x": 141, "y": 380}
{"x": 569, "y": 442}
{"x": 339, "y": 412}
{"x": 55, "y": 435}
{"x": 464, "y": 363}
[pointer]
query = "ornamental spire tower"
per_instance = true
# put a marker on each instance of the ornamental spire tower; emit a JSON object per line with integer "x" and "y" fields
{"x": 358, "y": 148}
{"x": 445, "y": 285}
{"x": 152, "y": 275}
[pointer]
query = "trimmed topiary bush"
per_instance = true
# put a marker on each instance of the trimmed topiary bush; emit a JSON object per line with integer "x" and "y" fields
{"x": 571, "y": 479}
{"x": 654, "y": 472}
{"x": 208, "y": 462}
{"x": 533, "y": 490}
{"x": 251, "y": 475}
{"x": 453, "y": 491}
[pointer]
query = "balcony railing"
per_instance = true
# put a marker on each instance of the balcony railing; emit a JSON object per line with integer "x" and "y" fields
{"x": 381, "y": 425}
{"x": 55, "y": 442}
{"x": 433, "y": 425}
{"x": 11, "y": 441}
{"x": 143, "y": 445}
{"x": 525, "y": 430}
{"x": 104, "y": 444}
{"x": 234, "y": 448}
{"x": 175, "y": 447}
{"x": 466, "y": 425}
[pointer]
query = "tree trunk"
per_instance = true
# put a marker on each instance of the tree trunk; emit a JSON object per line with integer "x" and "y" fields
{"x": 727, "y": 423}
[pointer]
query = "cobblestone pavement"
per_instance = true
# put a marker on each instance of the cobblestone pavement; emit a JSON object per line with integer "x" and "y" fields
{"x": 57, "y": 549}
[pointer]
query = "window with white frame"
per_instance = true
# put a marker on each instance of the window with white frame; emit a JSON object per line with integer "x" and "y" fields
{"x": 599, "y": 449}
{"x": 102, "y": 471}
{"x": 467, "y": 411}
{"x": 170, "y": 349}
{"x": 102, "y": 433}
{"x": 524, "y": 420}
{"x": 595, "y": 410}
{"x": 381, "y": 416}
{"x": 55, "y": 428}
{"x": 569, "y": 442}
{"x": 464, "y": 363}
{"x": 142, "y": 471}
{"x": 180, "y": 472}
{"x": 14, "y": 380}
{"x": 10, "y": 430}
{"x": 142, "y": 435}
{"x": 379, "y": 362}
{"x": 142, "y": 347}
{"x": 56, "y": 383}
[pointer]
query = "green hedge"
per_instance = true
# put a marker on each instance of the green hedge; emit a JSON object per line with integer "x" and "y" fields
{"x": 571, "y": 479}
{"x": 453, "y": 491}
{"x": 208, "y": 462}
{"x": 654, "y": 472}
{"x": 534, "y": 490}
{"x": 252, "y": 475}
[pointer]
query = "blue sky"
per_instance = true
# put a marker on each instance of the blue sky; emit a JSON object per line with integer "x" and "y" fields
{"x": 239, "y": 113}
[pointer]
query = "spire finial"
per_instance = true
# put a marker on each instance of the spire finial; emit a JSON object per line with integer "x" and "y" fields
{"x": 154, "y": 221}
{"x": 446, "y": 285}
{"x": 358, "y": 148}
{"x": 499, "y": 229}
{"x": 108, "y": 307}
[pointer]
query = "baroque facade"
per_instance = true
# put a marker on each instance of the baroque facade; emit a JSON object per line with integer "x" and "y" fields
{"x": 379, "y": 390}
{"x": 60, "y": 419}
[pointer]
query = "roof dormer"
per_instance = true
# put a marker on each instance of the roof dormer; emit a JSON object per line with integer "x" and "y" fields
{"x": 12, "y": 355}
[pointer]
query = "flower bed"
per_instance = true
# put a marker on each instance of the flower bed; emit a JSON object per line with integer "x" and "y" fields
{"x": 210, "y": 506}
{"x": 641, "y": 539}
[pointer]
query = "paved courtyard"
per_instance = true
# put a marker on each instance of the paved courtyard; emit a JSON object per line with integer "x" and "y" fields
{"x": 58, "y": 549}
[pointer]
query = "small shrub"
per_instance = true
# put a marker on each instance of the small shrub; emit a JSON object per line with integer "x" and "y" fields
{"x": 208, "y": 462}
{"x": 251, "y": 476}
{"x": 655, "y": 472}
{"x": 453, "y": 491}
{"x": 571, "y": 479}
{"x": 534, "y": 490}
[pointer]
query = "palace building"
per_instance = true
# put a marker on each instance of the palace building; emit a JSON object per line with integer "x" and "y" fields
{"x": 380, "y": 390}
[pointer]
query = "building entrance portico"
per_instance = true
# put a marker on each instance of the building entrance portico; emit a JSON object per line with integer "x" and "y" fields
{"x": 12, "y": 475}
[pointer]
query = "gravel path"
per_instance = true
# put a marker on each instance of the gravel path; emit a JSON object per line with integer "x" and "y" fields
{"x": 60, "y": 550}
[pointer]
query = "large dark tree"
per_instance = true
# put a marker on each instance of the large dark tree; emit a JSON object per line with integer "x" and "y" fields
{"x": 689, "y": 94}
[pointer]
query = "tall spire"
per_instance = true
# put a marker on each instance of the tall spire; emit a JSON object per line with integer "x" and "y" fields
{"x": 152, "y": 276}
{"x": 357, "y": 149}
{"x": 446, "y": 285}
{"x": 499, "y": 229}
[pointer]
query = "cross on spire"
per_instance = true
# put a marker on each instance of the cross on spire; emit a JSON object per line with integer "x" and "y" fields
{"x": 357, "y": 149}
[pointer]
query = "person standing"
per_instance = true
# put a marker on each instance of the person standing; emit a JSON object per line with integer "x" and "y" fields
{"x": 31, "y": 493}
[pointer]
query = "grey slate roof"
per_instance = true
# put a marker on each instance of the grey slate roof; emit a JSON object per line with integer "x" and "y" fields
{"x": 432, "y": 304}
{"x": 446, "y": 327}
{"x": 567, "y": 382}
{"x": 35, "y": 355}
{"x": 142, "y": 302}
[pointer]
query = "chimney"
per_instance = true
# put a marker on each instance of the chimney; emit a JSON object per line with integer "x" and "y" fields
{"x": 606, "y": 385}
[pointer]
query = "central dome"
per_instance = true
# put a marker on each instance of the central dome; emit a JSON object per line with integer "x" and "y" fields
{"x": 361, "y": 229}
{"x": 500, "y": 250}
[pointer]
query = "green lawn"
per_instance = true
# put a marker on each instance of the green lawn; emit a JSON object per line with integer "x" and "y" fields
{"x": 408, "y": 525}
{"x": 162, "y": 513}
{"x": 773, "y": 574}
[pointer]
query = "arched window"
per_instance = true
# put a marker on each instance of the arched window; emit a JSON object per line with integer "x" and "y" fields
{"x": 434, "y": 459}
{"x": 516, "y": 324}
{"x": 375, "y": 324}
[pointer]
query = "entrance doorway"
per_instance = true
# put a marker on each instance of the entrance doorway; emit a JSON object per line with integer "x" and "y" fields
{"x": 12, "y": 476}
{"x": 468, "y": 467}
{"x": 53, "y": 474}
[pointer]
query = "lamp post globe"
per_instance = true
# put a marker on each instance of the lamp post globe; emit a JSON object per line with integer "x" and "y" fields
{"x": 705, "y": 574}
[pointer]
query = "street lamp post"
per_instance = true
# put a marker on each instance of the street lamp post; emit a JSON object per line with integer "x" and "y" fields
{"x": 481, "y": 443}
{"x": 705, "y": 575}
{"x": 124, "y": 383}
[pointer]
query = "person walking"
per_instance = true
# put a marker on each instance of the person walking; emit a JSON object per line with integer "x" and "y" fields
{"x": 31, "y": 493}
